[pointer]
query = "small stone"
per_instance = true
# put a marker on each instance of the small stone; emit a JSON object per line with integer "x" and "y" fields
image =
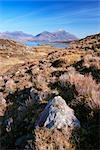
{"x": 34, "y": 95}
{"x": 38, "y": 96}
{"x": 9, "y": 123}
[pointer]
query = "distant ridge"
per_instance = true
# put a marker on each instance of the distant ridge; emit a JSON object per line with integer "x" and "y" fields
{"x": 16, "y": 35}
{"x": 43, "y": 37}
{"x": 60, "y": 35}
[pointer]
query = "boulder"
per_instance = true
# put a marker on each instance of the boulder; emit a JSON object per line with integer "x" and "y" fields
{"x": 57, "y": 114}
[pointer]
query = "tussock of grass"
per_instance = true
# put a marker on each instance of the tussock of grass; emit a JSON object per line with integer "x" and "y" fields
{"x": 85, "y": 86}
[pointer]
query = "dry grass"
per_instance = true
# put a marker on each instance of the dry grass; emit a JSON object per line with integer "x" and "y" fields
{"x": 33, "y": 68}
{"x": 58, "y": 141}
{"x": 90, "y": 61}
{"x": 85, "y": 86}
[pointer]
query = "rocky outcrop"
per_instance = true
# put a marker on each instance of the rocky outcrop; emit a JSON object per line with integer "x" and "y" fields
{"x": 57, "y": 114}
{"x": 55, "y": 125}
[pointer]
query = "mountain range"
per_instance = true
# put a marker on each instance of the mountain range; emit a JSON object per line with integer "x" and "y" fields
{"x": 16, "y": 35}
{"x": 60, "y": 35}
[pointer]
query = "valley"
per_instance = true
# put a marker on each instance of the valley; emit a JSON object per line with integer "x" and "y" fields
{"x": 50, "y": 97}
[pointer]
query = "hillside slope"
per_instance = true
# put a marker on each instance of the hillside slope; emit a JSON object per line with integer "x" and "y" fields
{"x": 16, "y": 35}
{"x": 49, "y": 83}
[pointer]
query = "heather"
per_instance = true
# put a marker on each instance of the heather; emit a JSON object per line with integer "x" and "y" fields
{"x": 49, "y": 97}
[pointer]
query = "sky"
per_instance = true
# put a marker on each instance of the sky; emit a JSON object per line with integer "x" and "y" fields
{"x": 79, "y": 17}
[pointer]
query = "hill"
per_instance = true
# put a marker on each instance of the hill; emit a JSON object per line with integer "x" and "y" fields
{"x": 17, "y": 36}
{"x": 50, "y": 98}
{"x": 57, "y": 36}
{"x": 43, "y": 37}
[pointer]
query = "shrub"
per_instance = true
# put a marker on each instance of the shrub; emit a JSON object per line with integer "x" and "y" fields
{"x": 86, "y": 105}
{"x": 58, "y": 63}
{"x": 90, "y": 61}
{"x": 85, "y": 86}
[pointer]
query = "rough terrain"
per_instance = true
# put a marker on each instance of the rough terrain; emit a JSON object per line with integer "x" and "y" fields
{"x": 31, "y": 78}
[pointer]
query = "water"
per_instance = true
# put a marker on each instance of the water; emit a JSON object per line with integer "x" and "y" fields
{"x": 56, "y": 45}
{"x": 60, "y": 45}
{"x": 31, "y": 44}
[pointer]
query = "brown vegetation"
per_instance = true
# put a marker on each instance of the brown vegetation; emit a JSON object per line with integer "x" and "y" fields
{"x": 73, "y": 73}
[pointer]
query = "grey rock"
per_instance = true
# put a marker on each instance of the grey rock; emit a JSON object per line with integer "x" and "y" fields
{"x": 57, "y": 114}
{"x": 34, "y": 95}
{"x": 38, "y": 96}
{"x": 9, "y": 124}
